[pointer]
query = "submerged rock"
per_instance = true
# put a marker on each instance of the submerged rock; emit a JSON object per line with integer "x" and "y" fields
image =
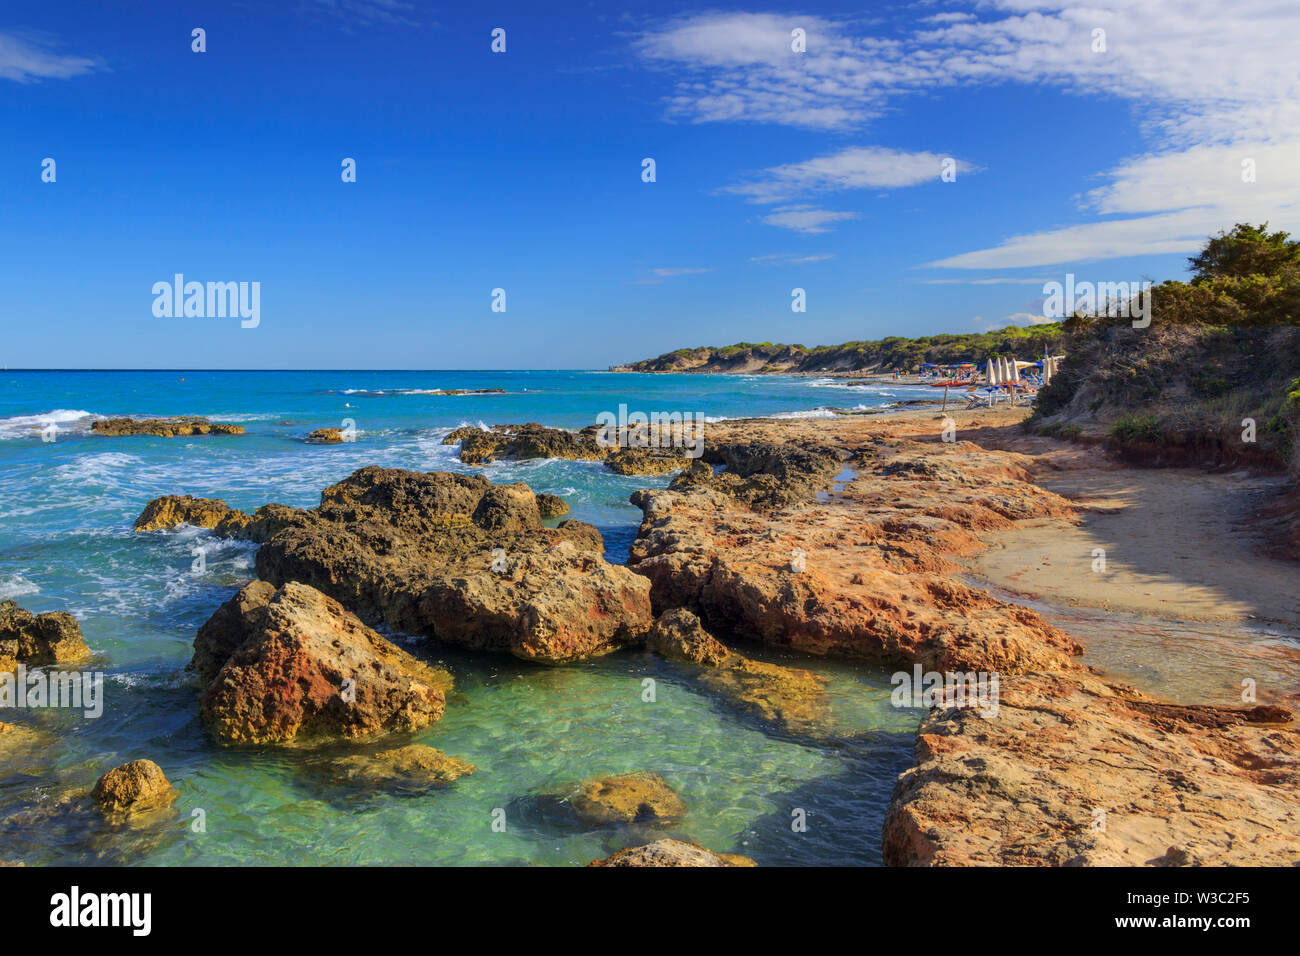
{"x": 296, "y": 666}
{"x": 626, "y": 798}
{"x": 163, "y": 427}
{"x": 792, "y": 699}
{"x": 50, "y": 638}
{"x": 134, "y": 787}
{"x": 672, "y": 853}
{"x": 411, "y": 768}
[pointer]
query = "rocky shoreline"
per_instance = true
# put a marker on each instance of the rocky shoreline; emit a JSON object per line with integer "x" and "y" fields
{"x": 844, "y": 538}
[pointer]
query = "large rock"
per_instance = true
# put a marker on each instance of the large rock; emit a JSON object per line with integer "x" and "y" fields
{"x": 1077, "y": 771}
{"x": 133, "y": 787}
{"x": 50, "y": 638}
{"x": 163, "y": 427}
{"x": 478, "y": 446}
{"x": 457, "y": 558}
{"x": 307, "y": 669}
{"x": 870, "y": 575}
{"x": 672, "y": 853}
{"x": 170, "y": 511}
{"x": 553, "y": 606}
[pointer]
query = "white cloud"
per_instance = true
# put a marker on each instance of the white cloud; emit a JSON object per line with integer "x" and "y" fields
{"x": 659, "y": 275}
{"x": 859, "y": 167}
{"x": 789, "y": 259}
{"x": 1211, "y": 83}
{"x": 28, "y": 59}
{"x": 803, "y": 218}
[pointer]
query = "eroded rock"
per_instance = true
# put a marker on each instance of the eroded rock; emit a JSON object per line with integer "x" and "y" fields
{"x": 133, "y": 787}
{"x": 50, "y": 638}
{"x": 789, "y": 698}
{"x": 1078, "y": 771}
{"x": 163, "y": 427}
{"x": 309, "y": 669}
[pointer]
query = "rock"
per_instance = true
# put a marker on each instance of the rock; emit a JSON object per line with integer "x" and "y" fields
{"x": 326, "y": 436}
{"x": 462, "y": 560}
{"x": 646, "y": 461}
{"x": 554, "y": 606}
{"x": 286, "y": 681}
{"x": 163, "y": 427}
{"x": 672, "y": 853}
{"x": 764, "y": 475}
{"x": 228, "y": 629}
{"x": 792, "y": 699}
{"x": 133, "y": 787}
{"x": 170, "y": 511}
{"x": 551, "y": 506}
{"x": 50, "y": 638}
{"x": 1074, "y": 770}
{"x": 678, "y": 634}
{"x": 870, "y": 576}
{"x": 626, "y": 798}
{"x": 518, "y": 442}
{"x": 478, "y": 446}
{"x": 411, "y": 768}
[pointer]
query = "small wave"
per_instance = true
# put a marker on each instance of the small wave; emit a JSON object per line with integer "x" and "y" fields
{"x": 16, "y": 586}
{"x": 29, "y": 426}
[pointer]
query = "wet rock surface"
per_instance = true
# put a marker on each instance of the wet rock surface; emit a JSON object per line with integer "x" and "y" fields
{"x": 624, "y": 799}
{"x": 33, "y": 639}
{"x": 326, "y": 436}
{"x": 672, "y": 853}
{"x": 788, "y": 698}
{"x": 163, "y": 427}
{"x": 134, "y": 787}
{"x": 411, "y": 769}
{"x": 300, "y": 667}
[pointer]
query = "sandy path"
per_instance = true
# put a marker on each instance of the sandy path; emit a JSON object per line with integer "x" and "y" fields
{"x": 1178, "y": 543}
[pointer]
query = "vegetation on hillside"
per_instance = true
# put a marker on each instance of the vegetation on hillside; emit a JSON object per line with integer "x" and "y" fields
{"x": 894, "y": 353}
{"x": 1217, "y": 367}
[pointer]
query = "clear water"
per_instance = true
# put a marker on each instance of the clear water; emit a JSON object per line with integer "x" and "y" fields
{"x": 66, "y": 511}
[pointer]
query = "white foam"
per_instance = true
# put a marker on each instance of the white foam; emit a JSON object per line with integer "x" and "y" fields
{"x": 16, "y": 586}
{"x": 29, "y": 426}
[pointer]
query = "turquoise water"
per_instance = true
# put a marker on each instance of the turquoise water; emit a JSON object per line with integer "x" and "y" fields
{"x": 66, "y": 510}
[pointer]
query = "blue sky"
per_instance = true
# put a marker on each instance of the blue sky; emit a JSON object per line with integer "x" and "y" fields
{"x": 522, "y": 170}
